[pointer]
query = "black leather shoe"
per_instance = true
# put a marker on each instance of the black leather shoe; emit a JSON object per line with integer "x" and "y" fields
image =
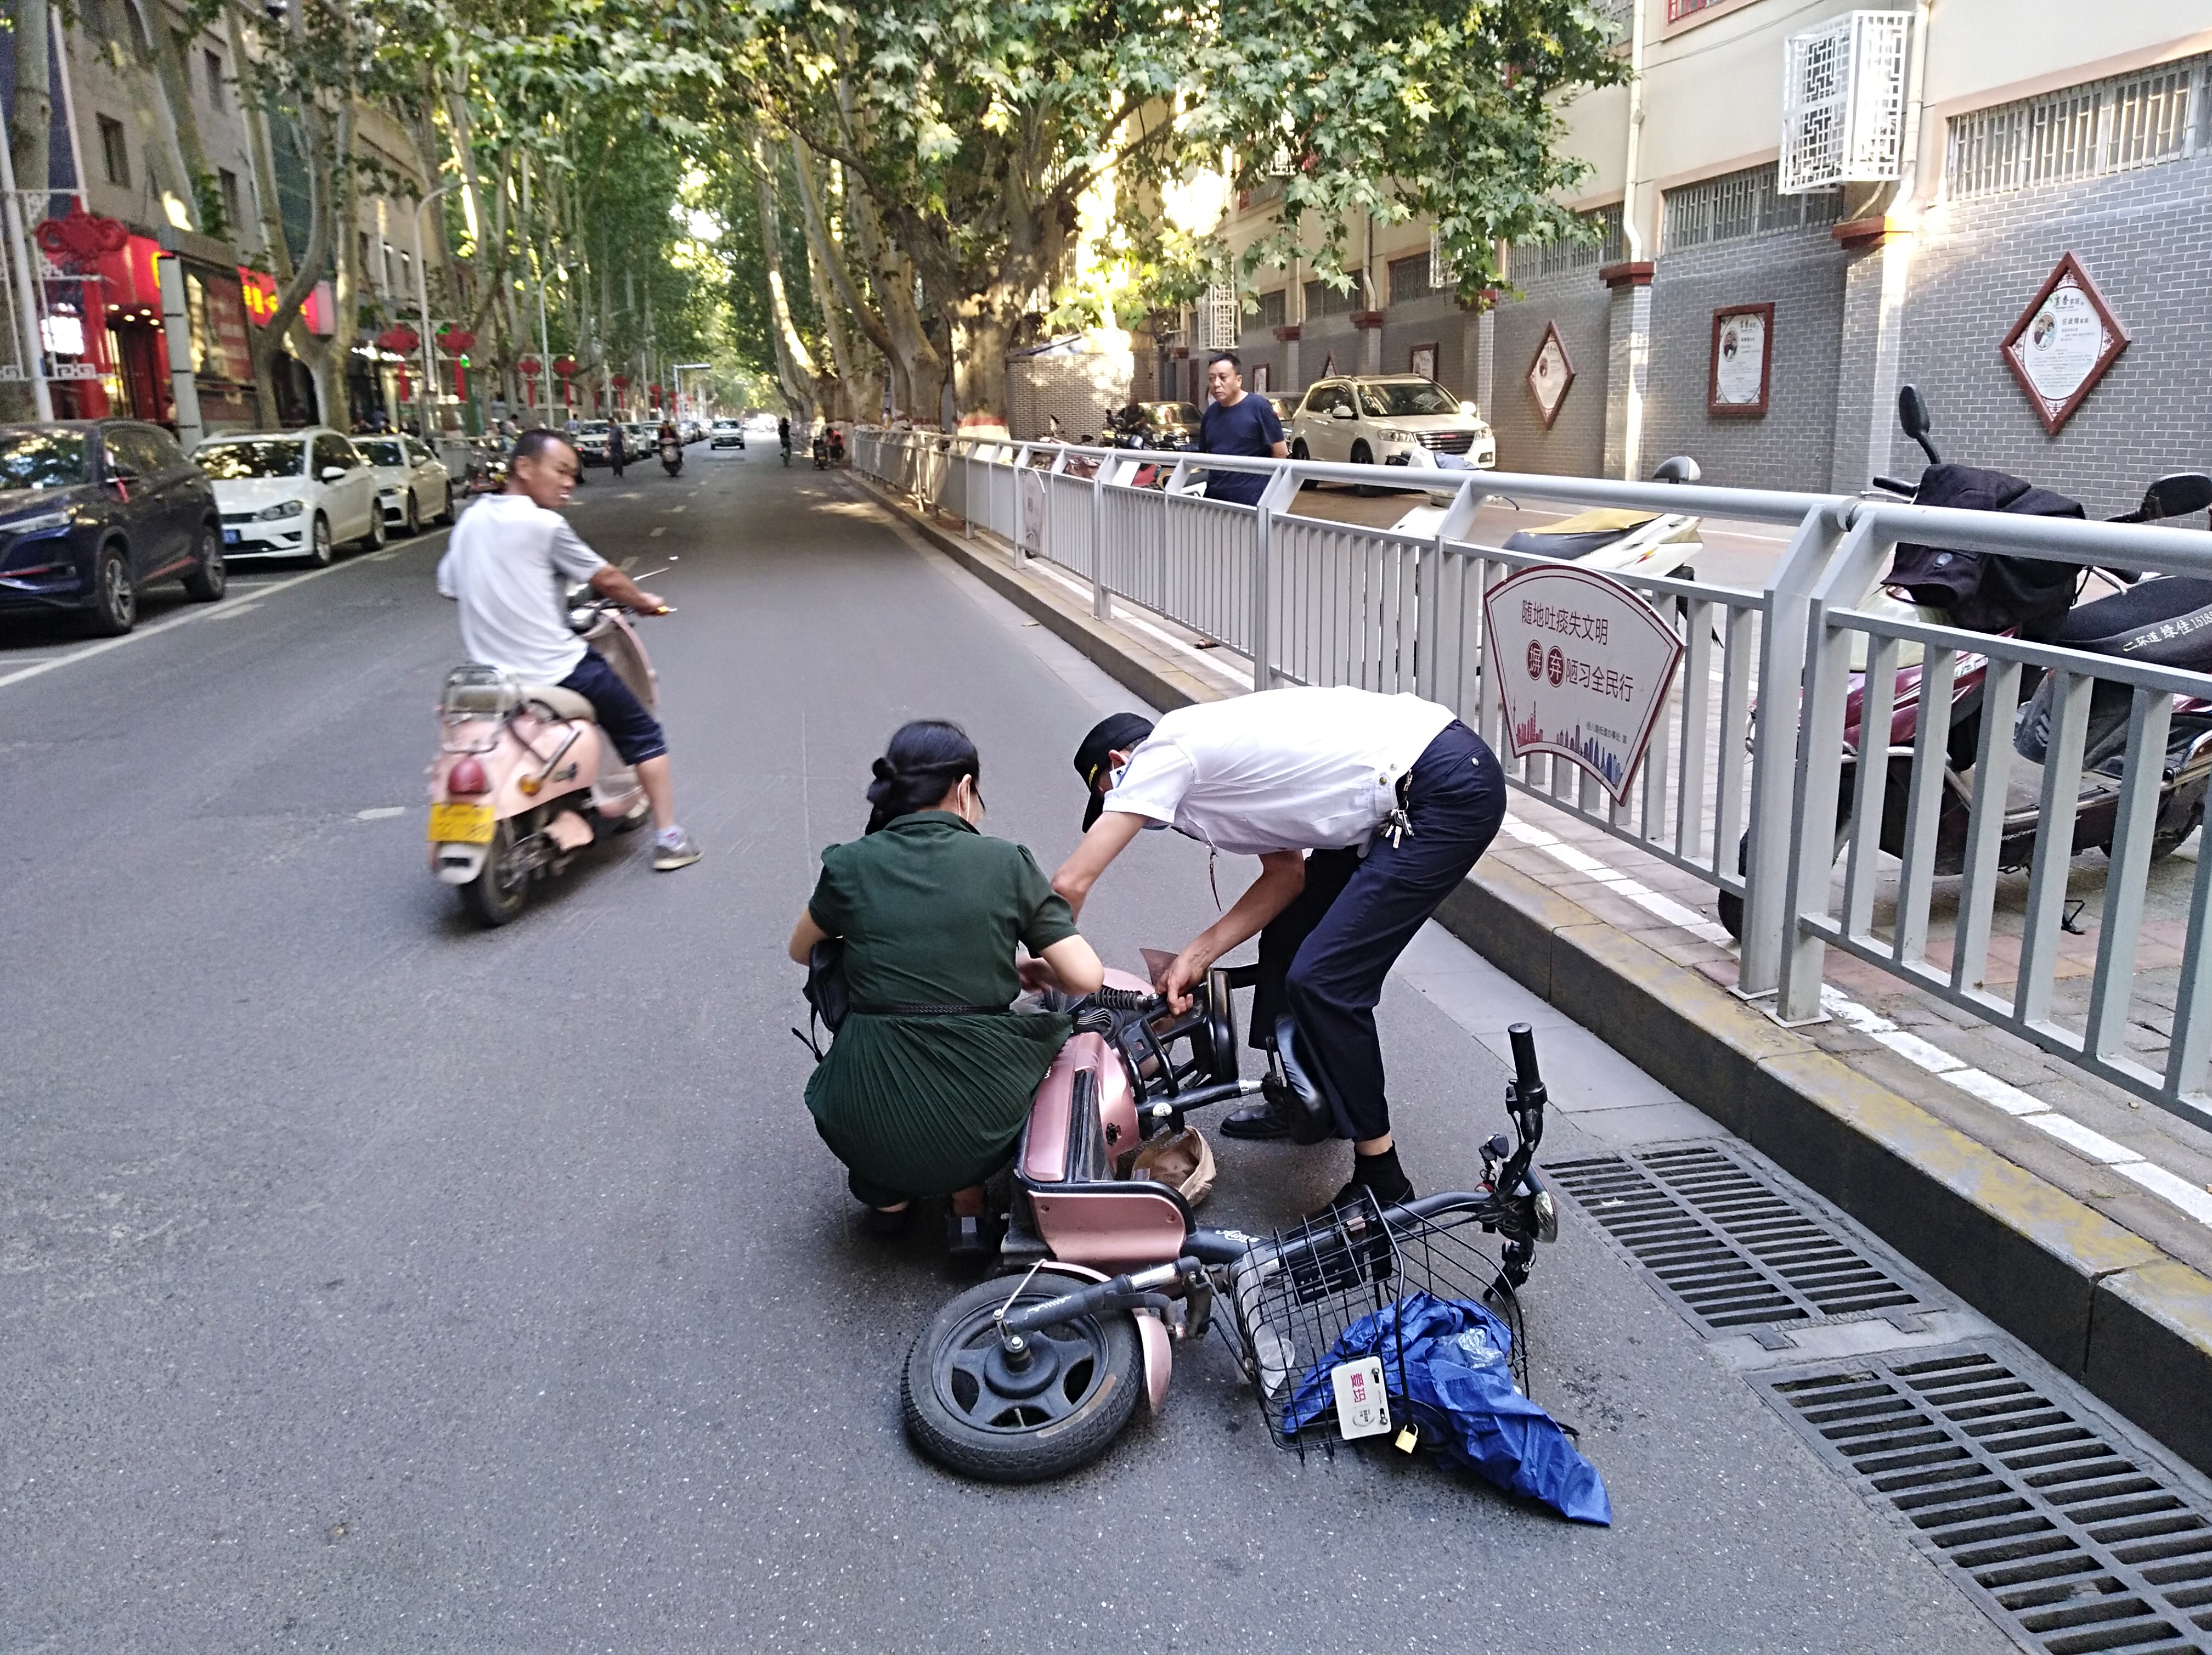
{"x": 1260, "y": 1120}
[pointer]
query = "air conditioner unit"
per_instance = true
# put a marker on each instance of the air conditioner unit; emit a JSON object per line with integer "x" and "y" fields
{"x": 1843, "y": 103}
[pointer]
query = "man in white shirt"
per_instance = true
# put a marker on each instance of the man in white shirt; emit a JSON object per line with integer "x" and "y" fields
{"x": 1366, "y": 810}
{"x": 507, "y": 565}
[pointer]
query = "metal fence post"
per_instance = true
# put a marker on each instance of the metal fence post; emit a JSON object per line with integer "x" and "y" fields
{"x": 1102, "y": 604}
{"x": 1281, "y": 489}
{"x": 1774, "y": 777}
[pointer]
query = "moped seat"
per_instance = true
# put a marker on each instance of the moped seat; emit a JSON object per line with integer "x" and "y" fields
{"x": 562, "y": 703}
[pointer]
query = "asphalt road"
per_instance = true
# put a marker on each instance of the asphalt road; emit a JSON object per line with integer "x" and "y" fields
{"x": 368, "y": 1281}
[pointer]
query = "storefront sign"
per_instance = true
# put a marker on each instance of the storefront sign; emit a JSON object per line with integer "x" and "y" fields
{"x": 1743, "y": 338}
{"x": 259, "y": 290}
{"x": 1584, "y": 665}
{"x": 1550, "y": 374}
{"x": 2063, "y": 343}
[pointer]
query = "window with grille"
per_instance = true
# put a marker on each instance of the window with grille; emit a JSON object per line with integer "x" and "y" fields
{"x": 1273, "y": 310}
{"x": 1738, "y": 204}
{"x": 2084, "y": 132}
{"x": 1412, "y": 278}
{"x": 1322, "y": 299}
{"x": 1532, "y": 261}
{"x": 1221, "y": 317}
{"x": 1843, "y": 102}
{"x": 1678, "y": 10}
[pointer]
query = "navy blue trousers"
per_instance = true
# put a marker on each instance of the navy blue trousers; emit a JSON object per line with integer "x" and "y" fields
{"x": 1323, "y": 958}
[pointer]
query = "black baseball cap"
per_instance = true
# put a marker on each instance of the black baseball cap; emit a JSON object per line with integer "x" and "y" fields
{"x": 1107, "y": 737}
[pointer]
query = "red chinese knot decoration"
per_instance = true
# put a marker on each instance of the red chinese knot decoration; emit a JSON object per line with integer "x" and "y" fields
{"x": 79, "y": 237}
{"x": 454, "y": 341}
{"x": 564, "y": 365}
{"x": 400, "y": 340}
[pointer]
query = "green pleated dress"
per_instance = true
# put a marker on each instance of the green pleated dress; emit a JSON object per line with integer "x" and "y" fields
{"x": 930, "y": 910}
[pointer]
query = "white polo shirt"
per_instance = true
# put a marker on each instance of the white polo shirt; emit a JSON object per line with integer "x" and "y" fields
{"x": 1282, "y": 770}
{"x": 506, "y": 563}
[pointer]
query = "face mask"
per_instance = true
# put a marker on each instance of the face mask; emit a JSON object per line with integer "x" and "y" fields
{"x": 1114, "y": 776}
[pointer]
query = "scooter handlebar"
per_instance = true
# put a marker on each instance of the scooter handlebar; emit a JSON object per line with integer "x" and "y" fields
{"x": 1524, "y": 1059}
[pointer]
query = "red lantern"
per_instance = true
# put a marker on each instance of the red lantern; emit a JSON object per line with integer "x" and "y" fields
{"x": 401, "y": 340}
{"x": 565, "y": 366}
{"x": 621, "y": 381}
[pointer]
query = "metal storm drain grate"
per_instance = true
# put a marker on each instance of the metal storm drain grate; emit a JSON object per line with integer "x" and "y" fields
{"x": 2070, "y": 1542}
{"x": 1731, "y": 1249}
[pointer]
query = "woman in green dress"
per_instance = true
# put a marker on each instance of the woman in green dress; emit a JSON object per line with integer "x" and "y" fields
{"x": 927, "y": 1083}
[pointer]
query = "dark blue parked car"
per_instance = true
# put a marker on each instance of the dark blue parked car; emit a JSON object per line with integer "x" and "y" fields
{"x": 92, "y": 511}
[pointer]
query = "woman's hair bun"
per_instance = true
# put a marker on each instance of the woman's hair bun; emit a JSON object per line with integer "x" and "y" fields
{"x": 923, "y": 762}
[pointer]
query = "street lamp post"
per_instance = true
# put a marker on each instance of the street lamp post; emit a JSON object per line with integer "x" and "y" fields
{"x": 423, "y": 300}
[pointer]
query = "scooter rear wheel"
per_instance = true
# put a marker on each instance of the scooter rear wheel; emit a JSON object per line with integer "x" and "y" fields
{"x": 498, "y": 892}
{"x": 967, "y": 1409}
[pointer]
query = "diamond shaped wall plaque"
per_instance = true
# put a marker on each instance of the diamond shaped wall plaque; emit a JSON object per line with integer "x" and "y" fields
{"x": 1550, "y": 374}
{"x": 2063, "y": 343}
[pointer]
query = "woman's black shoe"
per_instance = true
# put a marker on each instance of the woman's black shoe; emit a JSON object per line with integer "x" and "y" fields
{"x": 1260, "y": 1120}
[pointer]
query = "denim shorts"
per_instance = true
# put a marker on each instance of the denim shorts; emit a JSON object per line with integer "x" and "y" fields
{"x": 635, "y": 732}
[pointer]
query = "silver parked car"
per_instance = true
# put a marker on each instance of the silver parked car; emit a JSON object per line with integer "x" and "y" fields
{"x": 413, "y": 486}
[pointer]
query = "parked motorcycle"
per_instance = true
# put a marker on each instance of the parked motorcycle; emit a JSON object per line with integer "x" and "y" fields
{"x": 1621, "y": 542}
{"x": 2167, "y": 620}
{"x": 820, "y": 451}
{"x": 524, "y": 779}
{"x": 1022, "y": 1383}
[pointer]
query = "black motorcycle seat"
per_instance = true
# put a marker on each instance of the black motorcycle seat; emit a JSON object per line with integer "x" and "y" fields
{"x": 2165, "y": 622}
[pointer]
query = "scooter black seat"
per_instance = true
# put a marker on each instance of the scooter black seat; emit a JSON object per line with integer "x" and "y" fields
{"x": 562, "y": 703}
{"x": 2164, "y": 623}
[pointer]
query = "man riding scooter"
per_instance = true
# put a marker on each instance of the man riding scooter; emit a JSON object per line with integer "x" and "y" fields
{"x": 1366, "y": 810}
{"x": 507, "y": 566}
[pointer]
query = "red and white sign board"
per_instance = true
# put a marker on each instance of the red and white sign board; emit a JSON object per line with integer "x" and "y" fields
{"x": 1583, "y": 666}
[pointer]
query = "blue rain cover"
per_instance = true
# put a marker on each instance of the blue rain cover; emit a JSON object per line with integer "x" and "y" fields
{"x": 1463, "y": 1396}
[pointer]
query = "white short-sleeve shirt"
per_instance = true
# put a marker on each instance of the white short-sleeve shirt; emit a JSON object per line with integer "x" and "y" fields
{"x": 1282, "y": 770}
{"x": 506, "y": 564}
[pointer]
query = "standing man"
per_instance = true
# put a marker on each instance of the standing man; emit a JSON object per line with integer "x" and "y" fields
{"x": 1366, "y": 810}
{"x": 1235, "y": 423}
{"x": 507, "y": 565}
{"x": 617, "y": 453}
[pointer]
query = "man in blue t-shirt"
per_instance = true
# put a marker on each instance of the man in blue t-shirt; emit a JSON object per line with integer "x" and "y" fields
{"x": 1236, "y": 423}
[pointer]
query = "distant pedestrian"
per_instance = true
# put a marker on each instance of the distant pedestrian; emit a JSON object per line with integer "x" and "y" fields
{"x": 1235, "y": 423}
{"x": 617, "y": 454}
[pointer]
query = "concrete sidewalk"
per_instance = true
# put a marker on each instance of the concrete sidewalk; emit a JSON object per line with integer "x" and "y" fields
{"x": 2074, "y": 1217}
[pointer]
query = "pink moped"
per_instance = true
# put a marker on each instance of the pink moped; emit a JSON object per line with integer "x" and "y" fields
{"x": 1018, "y": 1380}
{"x": 524, "y": 779}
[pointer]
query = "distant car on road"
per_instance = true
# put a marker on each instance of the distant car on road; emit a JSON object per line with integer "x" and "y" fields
{"x": 413, "y": 486}
{"x": 727, "y": 434}
{"x": 591, "y": 442}
{"x": 292, "y": 494}
{"x": 1394, "y": 419}
{"x": 92, "y": 512}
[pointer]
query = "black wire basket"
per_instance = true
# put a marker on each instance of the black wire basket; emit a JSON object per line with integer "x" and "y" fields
{"x": 1293, "y": 1297}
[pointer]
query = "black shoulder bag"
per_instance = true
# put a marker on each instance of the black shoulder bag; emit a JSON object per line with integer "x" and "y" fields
{"x": 829, "y": 998}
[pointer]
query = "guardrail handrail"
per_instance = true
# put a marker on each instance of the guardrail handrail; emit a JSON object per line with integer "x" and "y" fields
{"x": 1311, "y": 600}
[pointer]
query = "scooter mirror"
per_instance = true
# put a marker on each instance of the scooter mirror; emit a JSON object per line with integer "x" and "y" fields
{"x": 1680, "y": 469}
{"x": 1913, "y": 412}
{"x": 2176, "y": 495}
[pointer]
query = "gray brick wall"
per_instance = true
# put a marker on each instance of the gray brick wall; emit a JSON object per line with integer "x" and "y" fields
{"x": 1433, "y": 320}
{"x": 2145, "y": 238}
{"x": 1575, "y": 446}
{"x": 1800, "y": 273}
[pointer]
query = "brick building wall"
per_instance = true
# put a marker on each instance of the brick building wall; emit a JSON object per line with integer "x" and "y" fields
{"x": 1079, "y": 387}
{"x": 1800, "y": 273}
{"x": 2145, "y": 238}
{"x": 1575, "y": 446}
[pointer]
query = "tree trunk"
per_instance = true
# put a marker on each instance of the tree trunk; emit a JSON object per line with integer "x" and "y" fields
{"x": 794, "y": 363}
{"x": 34, "y": 104}
{"x": 921, "y": 369}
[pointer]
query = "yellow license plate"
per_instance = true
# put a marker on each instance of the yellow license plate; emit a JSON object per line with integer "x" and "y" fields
{"x": 464, "y": 824}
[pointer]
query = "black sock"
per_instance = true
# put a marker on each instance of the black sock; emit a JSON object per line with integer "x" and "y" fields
{"x": 1382, "y": 1174}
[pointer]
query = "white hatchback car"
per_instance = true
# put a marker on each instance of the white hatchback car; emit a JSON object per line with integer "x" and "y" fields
{"x": 1397, "y": 419}
{"x": 291, "y": 493}
{"x": 412, "y": 485}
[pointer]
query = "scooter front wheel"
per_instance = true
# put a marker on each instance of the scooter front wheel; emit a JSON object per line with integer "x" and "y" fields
{"x": 500, "y": 889}
{"x": 974, "y": 1410}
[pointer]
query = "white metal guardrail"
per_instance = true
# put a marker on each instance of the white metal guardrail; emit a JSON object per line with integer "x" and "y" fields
{"x": 1743, "y": 782}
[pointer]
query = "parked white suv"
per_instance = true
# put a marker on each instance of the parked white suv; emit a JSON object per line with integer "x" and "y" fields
{"x": 1396, "y": 419}
{"x": 291, "y": 493}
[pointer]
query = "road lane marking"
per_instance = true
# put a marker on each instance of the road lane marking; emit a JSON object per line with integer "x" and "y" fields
{"x": 381, "y": 814}
{"x": 656, "y": 534}
{"x": 197, "y": 612}
{"x": 628, "y": 563}
{"x": 672, "y": 510}
{"x": 227, "y": 610}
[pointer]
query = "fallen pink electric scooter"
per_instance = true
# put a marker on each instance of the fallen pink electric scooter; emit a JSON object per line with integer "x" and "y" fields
{"x": 1029, "y": 1376}
{"x": 524, "y": 779}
